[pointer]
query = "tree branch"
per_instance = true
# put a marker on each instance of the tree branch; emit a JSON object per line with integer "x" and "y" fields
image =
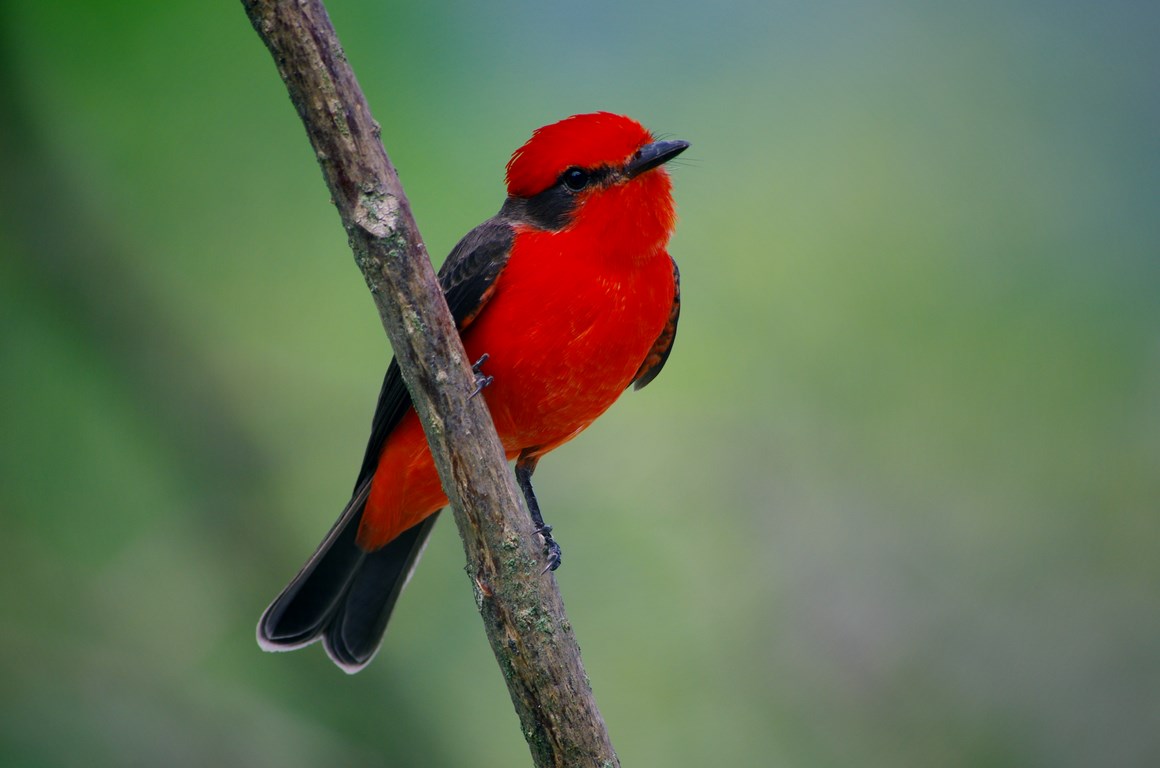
{"x": 522, "y": 611}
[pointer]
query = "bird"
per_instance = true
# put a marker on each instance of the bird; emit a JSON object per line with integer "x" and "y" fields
{"x": 566, "y": 298}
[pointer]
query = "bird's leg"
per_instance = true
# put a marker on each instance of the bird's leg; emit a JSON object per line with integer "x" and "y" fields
{"x": 481, "y": 380}
{"x": 525, "y": 466}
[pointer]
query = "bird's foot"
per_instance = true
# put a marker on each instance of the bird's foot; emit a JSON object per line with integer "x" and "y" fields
{"x": 551, "y": 549}
{"x": 481, "y": 380}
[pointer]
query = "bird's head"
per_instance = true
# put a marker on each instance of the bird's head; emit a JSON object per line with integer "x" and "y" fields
{"x": 600, "y": 173}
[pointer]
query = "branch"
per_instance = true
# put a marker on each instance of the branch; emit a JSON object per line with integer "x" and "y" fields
{"x": 522, "y": 611}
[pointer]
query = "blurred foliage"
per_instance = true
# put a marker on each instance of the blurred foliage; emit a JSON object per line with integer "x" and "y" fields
{"x": 893, "y": 502}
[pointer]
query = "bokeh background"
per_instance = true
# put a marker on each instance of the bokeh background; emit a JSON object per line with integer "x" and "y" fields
{"x": 894, "y": 501}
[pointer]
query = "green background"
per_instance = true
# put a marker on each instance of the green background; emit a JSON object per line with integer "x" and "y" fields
{"x": 894, "y": 501}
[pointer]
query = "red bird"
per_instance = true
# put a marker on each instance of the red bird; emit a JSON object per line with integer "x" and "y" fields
{"x": 569, "y": 296}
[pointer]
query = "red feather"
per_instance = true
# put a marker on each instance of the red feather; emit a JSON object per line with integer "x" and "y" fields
{"x": 586, "y": 141}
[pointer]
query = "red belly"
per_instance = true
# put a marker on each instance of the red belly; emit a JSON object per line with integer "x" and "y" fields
{"x": 564, "y": 339}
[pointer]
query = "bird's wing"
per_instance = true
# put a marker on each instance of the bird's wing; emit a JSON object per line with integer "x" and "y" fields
{"x": 656, "y": 357}
{"x": 468, "y": 278}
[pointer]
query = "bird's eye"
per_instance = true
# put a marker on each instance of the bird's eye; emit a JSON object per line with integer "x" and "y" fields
{"x": 576, "y": 179}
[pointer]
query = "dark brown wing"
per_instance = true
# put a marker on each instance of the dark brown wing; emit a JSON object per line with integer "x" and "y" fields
{"x": 467, "y": 277}
{"x": 655, "y": 360}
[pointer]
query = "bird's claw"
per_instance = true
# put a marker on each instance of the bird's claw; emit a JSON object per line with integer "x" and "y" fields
{"x": 481, "y": 380}
{"x": 551, "y": 549}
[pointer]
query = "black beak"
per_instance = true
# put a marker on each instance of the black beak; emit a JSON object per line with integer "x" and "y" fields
{"x": 651, "y": 155}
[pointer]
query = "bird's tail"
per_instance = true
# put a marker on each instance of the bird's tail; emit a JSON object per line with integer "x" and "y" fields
{"x": 344, "y": 594}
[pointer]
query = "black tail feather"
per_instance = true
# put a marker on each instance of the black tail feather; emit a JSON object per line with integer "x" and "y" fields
{"x": 356, "y": 630}
{"x": 344, "y": 594}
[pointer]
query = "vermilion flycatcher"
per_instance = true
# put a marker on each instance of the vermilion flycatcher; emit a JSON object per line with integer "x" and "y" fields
{"x": 569, "y": 296}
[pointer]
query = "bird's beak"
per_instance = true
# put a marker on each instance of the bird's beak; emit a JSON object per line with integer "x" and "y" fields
{"x": 651, "y": 155}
